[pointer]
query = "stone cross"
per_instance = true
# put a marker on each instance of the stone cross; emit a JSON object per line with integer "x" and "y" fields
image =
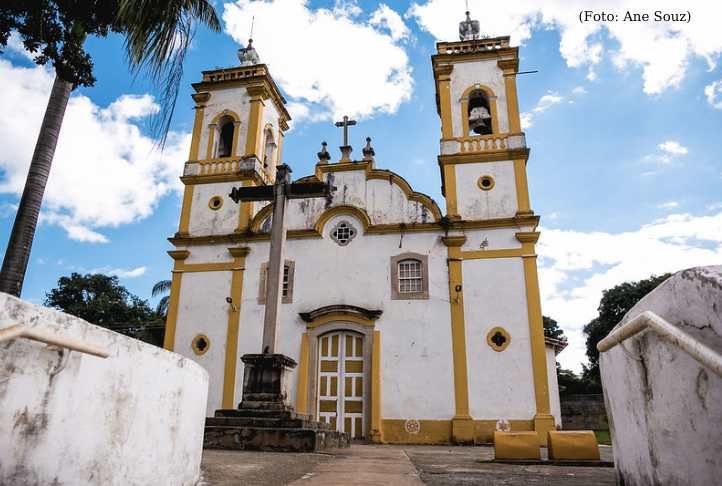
{"x": 279, "y": 193}
{"x": 345, "y": 148}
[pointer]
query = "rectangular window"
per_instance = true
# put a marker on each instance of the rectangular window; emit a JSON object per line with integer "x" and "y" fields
{"x": 410, "y": 279}
{"x": 287, "y": 283}
{"x": 285, "y": 280}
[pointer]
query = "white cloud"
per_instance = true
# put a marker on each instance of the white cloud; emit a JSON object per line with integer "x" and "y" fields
{"x": 668, "y": 205}
{"x": 662, "y": 49}
{"x": 330, "y": 60}
{"x": 575, "y": 266}
{"x": 105, "y": 172}
{"x": 545, "y": 102}
{"x": 579, "y": 90}
{"x": 673, "y": 147}
{"x": 384, "y": 17}
{"x": 713, "y": 92}
{"x": 15, "y": 44}
{"x": 120, "y": 272}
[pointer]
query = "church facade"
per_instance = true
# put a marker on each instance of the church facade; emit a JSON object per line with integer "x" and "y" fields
{"x": 409, "y": 325}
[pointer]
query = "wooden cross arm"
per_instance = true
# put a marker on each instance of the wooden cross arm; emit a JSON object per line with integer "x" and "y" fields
{"x": 305, "y": 190}
{"x": 253, "y": 193}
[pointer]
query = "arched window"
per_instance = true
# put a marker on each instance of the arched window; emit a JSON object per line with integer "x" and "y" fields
{"x": 479, "y": 113}
{"x": 409, "y": 276}
{"x": 226, "y": 128}
{"x": 269, "y": 150}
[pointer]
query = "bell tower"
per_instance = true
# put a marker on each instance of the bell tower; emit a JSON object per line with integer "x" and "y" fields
{"x": 483, "y": 150}
{"x": 240, "y": 121}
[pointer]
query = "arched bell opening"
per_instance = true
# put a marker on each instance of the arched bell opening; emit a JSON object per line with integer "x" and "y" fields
{"x": 226, "y": 128}
{"x": 479, "y": 113}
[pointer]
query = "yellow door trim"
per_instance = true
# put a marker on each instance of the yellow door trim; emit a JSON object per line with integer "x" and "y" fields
{"x": 302, "y": 388}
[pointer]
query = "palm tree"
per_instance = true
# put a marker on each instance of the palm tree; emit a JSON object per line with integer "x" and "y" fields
{"x": 160, "y": 288}
{"x": 157, "y": 36}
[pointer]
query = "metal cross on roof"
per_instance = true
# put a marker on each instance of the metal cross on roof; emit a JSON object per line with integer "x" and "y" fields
{"x": 345, "y": 123}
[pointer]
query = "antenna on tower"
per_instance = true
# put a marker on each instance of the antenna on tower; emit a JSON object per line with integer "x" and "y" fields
{"x": 253, "y": 21}
{"x": 248, "y": 55}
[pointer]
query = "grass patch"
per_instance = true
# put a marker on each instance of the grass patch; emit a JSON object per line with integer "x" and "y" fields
{"x": 603, "y": 437}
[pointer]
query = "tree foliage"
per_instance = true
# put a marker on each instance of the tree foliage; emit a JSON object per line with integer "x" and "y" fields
{"x": 162, "y": 287}
{"x": 157, "y": 36}
{"x": 615, "y": 303}
{"x": 101, "y": 300}
{"x": 55, "y": 32}
{"x": 552, "y": 329}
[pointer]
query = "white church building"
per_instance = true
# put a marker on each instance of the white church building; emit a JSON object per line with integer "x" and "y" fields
{"x": 408, "y": 324}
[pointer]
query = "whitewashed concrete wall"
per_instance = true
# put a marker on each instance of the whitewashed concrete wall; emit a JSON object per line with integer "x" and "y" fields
{"x": 664, "y": 408}
{"x": 474, "y": 203}
{"x": 501, "y": 384}
{"x": 553, "y": 384}
{"x": 66, "y": 418}
{"x": 417, "y": 360}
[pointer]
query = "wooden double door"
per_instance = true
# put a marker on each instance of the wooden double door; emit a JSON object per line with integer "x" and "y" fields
{"x": 341, "y": 382}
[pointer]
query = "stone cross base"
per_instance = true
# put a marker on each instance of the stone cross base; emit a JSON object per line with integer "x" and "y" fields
{"x": 264, "y": 421}
{"x": 266, "y": 380}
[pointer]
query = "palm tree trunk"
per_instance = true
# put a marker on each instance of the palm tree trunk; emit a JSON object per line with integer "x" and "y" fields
{"x": 21, "y": 239}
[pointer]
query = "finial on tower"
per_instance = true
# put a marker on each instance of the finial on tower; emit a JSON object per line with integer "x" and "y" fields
{"x": 468, "y": 29}
{"x": 368, "y": 150}
{"x": 323, "y": 155}
{"x": 248, "y": 55}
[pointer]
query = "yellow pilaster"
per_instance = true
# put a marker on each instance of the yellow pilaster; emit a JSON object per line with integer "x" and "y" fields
{"x": 376, "y": 429}
{"x": 510, "y": 68}
{"x": 201, "y": 99}
{"x": 236, "y": 129}
{"x": 211, "y": 140}
{"x": 522, "y": 188}
{"x": 255, "y": 118}
{"x": 170, "y": 321}
{"x": 462, "y": 423}
{"x": 234, "y": 317}
{"x": 185, "y": 216}
{"x": 244, "y": 210}
{"x": 444, "y": 91}
{"x": 452, "y": 209}
{"x": 302, "y": 388}
{"x": 543, "y": 420}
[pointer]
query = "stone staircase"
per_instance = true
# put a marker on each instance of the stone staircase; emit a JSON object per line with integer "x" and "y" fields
{"x": 279, "y": 430}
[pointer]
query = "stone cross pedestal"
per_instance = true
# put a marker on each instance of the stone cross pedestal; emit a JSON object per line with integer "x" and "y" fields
{"x": 264, "y": 420}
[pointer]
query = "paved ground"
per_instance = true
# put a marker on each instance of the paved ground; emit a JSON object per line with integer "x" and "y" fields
{"x": 390, "y": 465}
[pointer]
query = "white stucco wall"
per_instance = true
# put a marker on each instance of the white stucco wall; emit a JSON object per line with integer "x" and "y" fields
{"x": 553, "y": 384}
{"x": 66, "y": 418}
{"x": 474, "y": 203}
{"x": 501, "y": 384}
{"x": 663, "y": 406}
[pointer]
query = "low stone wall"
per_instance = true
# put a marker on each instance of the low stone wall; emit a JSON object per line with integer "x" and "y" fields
{"x": 664, "y": 407}
{"x": 584, "y": 412}
{"x": 67, "y": 418}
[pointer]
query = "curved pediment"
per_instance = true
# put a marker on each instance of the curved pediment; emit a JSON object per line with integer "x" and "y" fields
{"x": 373, "y": 197}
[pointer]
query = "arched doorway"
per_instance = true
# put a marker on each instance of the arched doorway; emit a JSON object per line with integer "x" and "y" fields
{"x": 343, "y": 374}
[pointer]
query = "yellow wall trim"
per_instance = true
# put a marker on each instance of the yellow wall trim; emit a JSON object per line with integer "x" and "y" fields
{"x": 339, "y": 316}
{"x": 234, "y": 317}
{"x": 302, "y": 387}
{"x": 185, "y": 216}
{"x": 481, "y": 157}
{"x": 376, "y": 432}
{"x": 440, "y": 431}
{"x": 330, "y": 213}
{"x": 171, "y": 319}
{"x": 483, "y": 254}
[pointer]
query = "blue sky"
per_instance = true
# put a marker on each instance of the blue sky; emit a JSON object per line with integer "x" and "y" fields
{"x": 623, "y": 121}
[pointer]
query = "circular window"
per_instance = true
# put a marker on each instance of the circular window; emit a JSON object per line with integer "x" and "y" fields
{"x": 498, "y": 339}
{"x": 215, "y": 203}
{"x": 486, "y": 183}
{"x": 200, "y": 344}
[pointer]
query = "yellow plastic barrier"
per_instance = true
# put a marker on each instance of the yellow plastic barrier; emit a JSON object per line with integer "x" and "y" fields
{"x": 516, "y": 445}
{"x": 577, "y": 445}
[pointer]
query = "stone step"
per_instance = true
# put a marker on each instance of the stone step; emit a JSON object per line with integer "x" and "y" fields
{"x": 273, "y": 439}
{"x": 264, "y": 422}
{"x": 287, "y": 414}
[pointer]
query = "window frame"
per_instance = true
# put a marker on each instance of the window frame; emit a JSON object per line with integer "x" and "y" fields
{"x": 396, "y": 293}
{"x": 285, "y": 299}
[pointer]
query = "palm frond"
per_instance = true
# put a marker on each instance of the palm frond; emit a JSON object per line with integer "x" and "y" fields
{"x": 162, "y": 308}
{"x": 158, "y": 34}
{"x": 162, "y": 287}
